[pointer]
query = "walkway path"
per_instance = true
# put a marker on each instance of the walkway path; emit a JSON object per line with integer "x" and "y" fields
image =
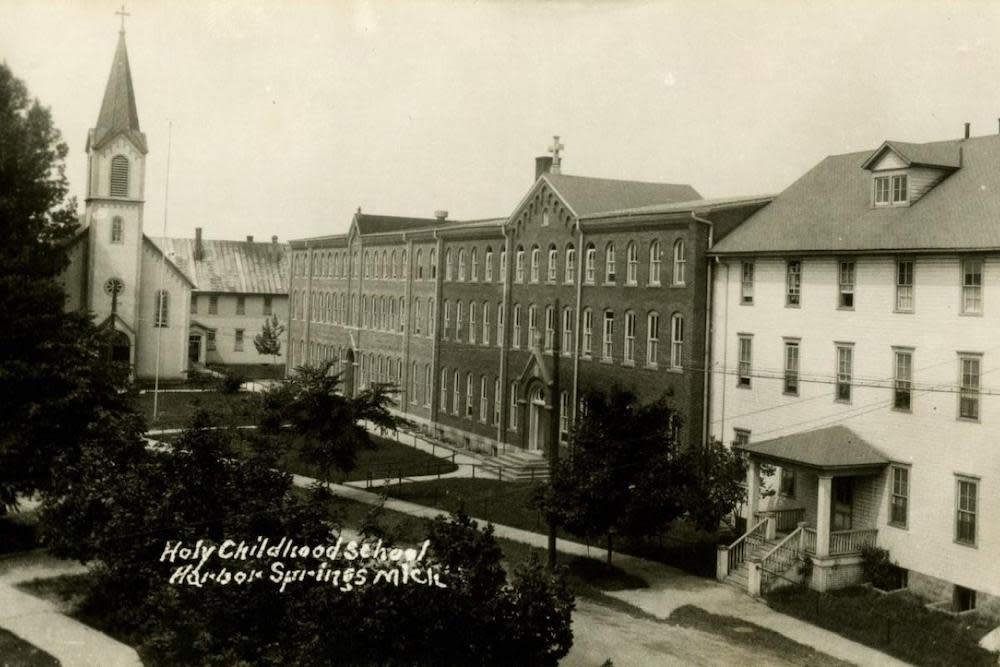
{"x": 669, "y": 588}
{"x": 43, "y": 624}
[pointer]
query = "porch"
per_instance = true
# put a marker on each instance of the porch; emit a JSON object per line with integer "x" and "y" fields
{"x": 815, "y": 495}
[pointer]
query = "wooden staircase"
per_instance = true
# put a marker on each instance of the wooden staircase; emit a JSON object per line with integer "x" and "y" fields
{"x": 737, "y": 577}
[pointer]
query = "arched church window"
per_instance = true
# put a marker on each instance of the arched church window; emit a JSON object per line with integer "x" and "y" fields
{"x": 161, "y": 316}
{"x": 117, "y": 230}
{"x": 119, "y": 176}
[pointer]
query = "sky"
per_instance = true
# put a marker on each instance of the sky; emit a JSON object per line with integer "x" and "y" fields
{"x": 285, "y": 117}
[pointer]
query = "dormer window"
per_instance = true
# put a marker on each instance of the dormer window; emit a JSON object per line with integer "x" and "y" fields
{"x": 891, "y": 190}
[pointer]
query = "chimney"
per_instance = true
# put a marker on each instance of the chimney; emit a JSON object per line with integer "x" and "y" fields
{"x": 249, "y": 238}
{"x": 543, "y": 165}
{"x": 441, "y": 215}
{"x": 967, "y": 130}
{"x": 274, "y": 240}
{"x": 199, "y": 250}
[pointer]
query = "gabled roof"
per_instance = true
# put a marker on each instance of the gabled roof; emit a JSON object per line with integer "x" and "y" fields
{"x": 831, "y": 448}
{"x": 943, "y": 154}
{"x": 696, "y": 205}
{"x": 156, "y": 245}
{"x": 241, "y": 267}
{"x": 118, "y": 109}
{"x": 383, "y": 224}
{"x": 829, "y": 210}
{"x": 585, "y": 195}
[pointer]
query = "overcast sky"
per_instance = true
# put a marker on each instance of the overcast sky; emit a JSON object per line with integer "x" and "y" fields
{"x": 287, "y": 116}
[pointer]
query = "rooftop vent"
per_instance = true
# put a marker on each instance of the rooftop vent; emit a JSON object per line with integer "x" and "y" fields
{"x": 199, "y": 249}
{"x": 249, "y": 238}
{"x": 441, "y": 215}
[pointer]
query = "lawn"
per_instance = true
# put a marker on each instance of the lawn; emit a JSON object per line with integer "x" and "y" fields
{"x": 509, "y": 504}
{"x": 175, "y": 408}
{"x": 15, "y": 652}
{"x": 897, "y": 624}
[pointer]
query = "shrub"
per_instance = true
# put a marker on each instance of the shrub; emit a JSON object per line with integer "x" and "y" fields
{"x": 878, "y": 569}
{"x": 231, "y": 381}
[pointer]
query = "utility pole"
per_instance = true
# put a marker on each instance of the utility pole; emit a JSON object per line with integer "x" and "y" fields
{"x": 554, "y": 416}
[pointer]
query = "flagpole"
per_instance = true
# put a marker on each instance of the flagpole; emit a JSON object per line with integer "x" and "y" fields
{"x": 159, "y": 291}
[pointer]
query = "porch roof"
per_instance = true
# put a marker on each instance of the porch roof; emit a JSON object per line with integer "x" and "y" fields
{"x": 832, "y": 449}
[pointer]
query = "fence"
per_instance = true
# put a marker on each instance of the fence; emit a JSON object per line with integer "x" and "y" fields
{"x": 393, "y": 471}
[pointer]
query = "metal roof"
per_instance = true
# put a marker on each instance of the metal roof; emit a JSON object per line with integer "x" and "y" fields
{"x": 587, "y": 195}
{"x": 830, "y": 448}
{"x": 243, "y": 267}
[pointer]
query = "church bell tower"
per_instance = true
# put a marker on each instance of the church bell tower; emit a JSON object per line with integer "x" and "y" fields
{"x": 116, "y": 166}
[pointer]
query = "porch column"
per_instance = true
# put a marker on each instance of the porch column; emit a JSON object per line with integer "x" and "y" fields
{"x": 823, "y": 496}
{"x": 753, "y": 492}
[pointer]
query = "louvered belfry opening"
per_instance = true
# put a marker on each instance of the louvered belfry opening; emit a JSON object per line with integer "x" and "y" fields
{"x": 119, "y": 176}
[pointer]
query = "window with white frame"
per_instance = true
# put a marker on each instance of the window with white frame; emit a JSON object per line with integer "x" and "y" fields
{"x": 972, "y": 286}
{"x": 845, "y": 371}
{"x": 589, "y": 265}
{"x": 447, "y": 318}
{"x": 968, "y": 403}
{"x": 652, "y": 338}
{"x": 519, "y": 265}
{"x": 428, "y": 385}
{"x": 609, "y": 263}
{"x": 904, "y": 286}
{"x": 680, "y": 262}
{"x": 513, "y": 406}
{"x": 458, "y": 320}
{"x": 488, "y": 272}
{"x": 550, "y": 328}
{"x": 567, "y": 331}
{"x": 676, "y": 341}
{"x": 632, "y": 264}
{"x": 745, "y": 369}
{"x": 502, "y": 276}
{"x": 899, "y": 499}
{"x": 468, "y": 395}
{"x": 629, "y": 357}
{"x": 433, "y": 264}
{"x": 515, "y": 338}
{"x": 448, "y": 265}
{"x": 891, "y": 190}
{"x": 161, "y": 314}
{"x": 846, "y": 282}
{"x": 786, "y": 486}
{"x": 238, "y": 341}
{"x": 497, "y": 402}
{"x": 414, "y": 383}
{"x": 966, "y": 510}
{"x": 588, "y": 332}
{"x": 553, "y": 265}
{"x": 418, "y": 314}
{"x": 484, "y": 402}
{"x": 609, "y": 334}
{"x": 536, "y": 259}
{"x": 741, "y": 437}
{"x": 533, "y": 338}
{"x": 456, "y": 393}
{"x": 746, "y": 282}
{"x": 564, "y": 416}
{"x": 570, "y": 276}
{"x": 430, "y": 317}
{"x": 474, "y": 276}
{"x": 443, "y": 398}
{"x": 472, "y": 321}
{"x": 402, "y": 313}
{"x": 791, "y": 384}
{"x": 793, "y": 283}
{"x": 486, "y": 323}
{"x": 654, "y": 262}
{"x": 903, "y": 380}
{"x": 420, "y": 264}
{"x": 461, "y": 264}
{"x": 500, "y": 324}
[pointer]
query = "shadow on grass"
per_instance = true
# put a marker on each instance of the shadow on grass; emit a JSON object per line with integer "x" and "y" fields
{"x": 16, "y": 652}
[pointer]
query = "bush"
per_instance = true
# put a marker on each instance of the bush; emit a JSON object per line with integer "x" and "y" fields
{"x": 879, "y": 570}
{"x": 231, "y": 382}
{"x": 898, "y": 625}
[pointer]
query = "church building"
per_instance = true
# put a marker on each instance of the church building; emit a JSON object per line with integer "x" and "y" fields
{"x": 173, "y": 304}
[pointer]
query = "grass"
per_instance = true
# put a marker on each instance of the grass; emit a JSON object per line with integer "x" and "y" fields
{"x": 174, "y": 409}
{"x": 509, "y": 504}
{"x": 15, "y": 652}
{"x": 898, "y": 624}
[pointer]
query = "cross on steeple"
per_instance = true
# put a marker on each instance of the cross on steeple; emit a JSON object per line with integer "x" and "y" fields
{"x": 554, "y": 149}
{"x": 122, "y": 13}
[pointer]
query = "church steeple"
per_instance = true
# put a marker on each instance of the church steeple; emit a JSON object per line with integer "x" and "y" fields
{"x": 118, "y": 110}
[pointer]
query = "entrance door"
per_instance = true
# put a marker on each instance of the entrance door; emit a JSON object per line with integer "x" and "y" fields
{"x": 194, "y": 348}
{"x": 536, "y": 422}
{"x": 842, "y": 507}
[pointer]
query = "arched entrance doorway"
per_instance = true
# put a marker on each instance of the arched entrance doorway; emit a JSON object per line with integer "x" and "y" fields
{"x": 537, "y": 420}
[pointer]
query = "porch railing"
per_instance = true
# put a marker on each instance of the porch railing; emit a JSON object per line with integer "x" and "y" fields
{"x": 737, "y": 551}
{"x": 780, "y": 558}
{"x": 842, "y": 542}
{"x": 785, "y": 520}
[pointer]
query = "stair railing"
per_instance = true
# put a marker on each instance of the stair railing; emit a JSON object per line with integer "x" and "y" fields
{"x": 782, "y": 556}
{"x": 737, "y": 551}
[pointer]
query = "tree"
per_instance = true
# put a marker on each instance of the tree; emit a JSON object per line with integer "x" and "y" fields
{"x": 619, "y": 477}
{"x": 710, "y": 486}
{"x": 324, "y": 424}
{"x": 268, "y": 341}
{"x": 200, "y": 490}
{"x": 55, "y": 387}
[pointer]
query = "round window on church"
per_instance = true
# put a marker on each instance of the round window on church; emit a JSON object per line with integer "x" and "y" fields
{"x": 114, "y": 286}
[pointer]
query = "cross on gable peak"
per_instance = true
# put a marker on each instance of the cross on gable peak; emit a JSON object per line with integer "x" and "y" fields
{"x": 554, "y": 149}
